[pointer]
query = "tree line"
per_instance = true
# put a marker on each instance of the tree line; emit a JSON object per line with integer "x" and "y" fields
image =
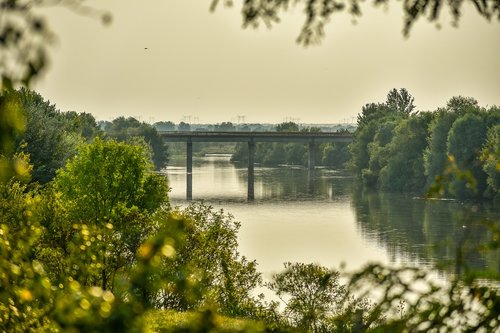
{"x": 399, "y": 149}
{"x": 333, "y": 155}
{"x": 396, "y": 148}
{"x": 50, "y": 137}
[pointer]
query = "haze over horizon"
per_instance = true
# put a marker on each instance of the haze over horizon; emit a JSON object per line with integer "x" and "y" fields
{"x": 171, "y": 60}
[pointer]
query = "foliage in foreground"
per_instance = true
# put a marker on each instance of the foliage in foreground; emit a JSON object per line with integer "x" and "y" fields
{"x": 87, "y": 256}
{"x": 168, "y": 321}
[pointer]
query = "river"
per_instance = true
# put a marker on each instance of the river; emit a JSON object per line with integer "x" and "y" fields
{"x": 325, "y": 218}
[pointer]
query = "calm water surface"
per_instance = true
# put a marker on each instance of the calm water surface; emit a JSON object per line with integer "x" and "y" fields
{"x": 323, "y": 217}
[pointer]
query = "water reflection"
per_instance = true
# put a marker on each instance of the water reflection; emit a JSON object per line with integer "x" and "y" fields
{"x": 216, "y": 179}
{"x": 420, "y": 231}
{"x": 323, "y": 217}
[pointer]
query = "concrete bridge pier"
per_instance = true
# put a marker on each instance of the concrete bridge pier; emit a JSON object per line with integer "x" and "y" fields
{"x": 312, "y": 155}
{"x": 310, "y": 182}
{"x": 250, "y": 181}
{"x": 189, "y": 170}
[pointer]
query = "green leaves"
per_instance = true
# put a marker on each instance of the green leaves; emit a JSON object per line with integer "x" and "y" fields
{"x": 106, "y": 198}
{"x": 130, "y": 129}
{"x": 311, "y": 293}
{"x": 490, "y": 156}
{"x": 221, "y": 277}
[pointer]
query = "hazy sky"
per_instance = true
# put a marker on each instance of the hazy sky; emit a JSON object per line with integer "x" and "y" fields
{"x": 204, "y": 65}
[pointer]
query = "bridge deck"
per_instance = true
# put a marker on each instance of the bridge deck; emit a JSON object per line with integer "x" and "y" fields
{"x": 196, "y": 136}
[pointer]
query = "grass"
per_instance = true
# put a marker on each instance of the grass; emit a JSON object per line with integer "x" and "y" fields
{"x": 165, "y": 321}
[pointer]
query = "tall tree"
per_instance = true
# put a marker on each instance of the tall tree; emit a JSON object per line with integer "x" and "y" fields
{"x": 369, "y": 120}
{"x": 105, "y": 197}
{"x": 490, "y": 156}
{"x": 400, "y": 101}
{"x": 210, "y": 255}
{"x": 311, "y": 294}
{"x": 465, "y": 139}
{"x": 405, "y": 168}
{"x": 184, "y": 126}
{"x": 288, "y": 126}
{"x": 436, "y": 154}
{"x": 124, "y": 129}
{"x": 164, "y": 126}
{"x": 51, "y": 136}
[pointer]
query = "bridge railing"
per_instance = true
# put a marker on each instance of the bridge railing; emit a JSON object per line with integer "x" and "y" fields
{"x": 197, "y": 136}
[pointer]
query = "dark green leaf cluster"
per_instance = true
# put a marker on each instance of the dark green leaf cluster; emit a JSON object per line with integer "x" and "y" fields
{"x": 210, "y": 257}
{"x": 126, "y": 129}
{"x": 50, "y": 136}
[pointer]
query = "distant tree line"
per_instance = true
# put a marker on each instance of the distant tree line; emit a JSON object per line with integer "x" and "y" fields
{"x": 227, "y": 126}
{"x": 394, "y": 148}
{"x": 127, "y": 129}
{"x": 398, "y": 149}
{"x": 51, "y": 137}
{"x": 333, "y": 155}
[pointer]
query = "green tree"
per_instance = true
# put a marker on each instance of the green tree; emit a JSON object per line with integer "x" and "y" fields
{"x": 275, "y": 155}
{"x": 412, "y": 301}
{"x": 405, "y": 167}
{"x": 164, "y": 126}
{"x": 289, "y": 126}
{"x": 335, "y": 155}
{"x": 24, "y": 287}
{"x": 51, "y": 136}
{"x": 461, "y": 104}
{"x": 296, "y": 153}
{"x": 125, "y": 129}
{"x": 184, "y": 127}
{"x": 379, "y": 152}
{"x": 12, "y": 124}
{"x": 210, "y": 256}
{"x": 490, "y": 156}
{"x": 372, "y": 115}
{"x": 225, "y": 127}
{"x": 81, "y": 123}
{"x": 31, "y": 302}
{"x": 465, "y": 139}
{"x": 436, "y": 156}
{"x": 400, "y": 101}
{"x": 105, "y": 198}
{"x": 311, "y": 294}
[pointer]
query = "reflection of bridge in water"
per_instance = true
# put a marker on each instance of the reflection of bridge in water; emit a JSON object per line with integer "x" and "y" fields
{"x": 251, "y": 138}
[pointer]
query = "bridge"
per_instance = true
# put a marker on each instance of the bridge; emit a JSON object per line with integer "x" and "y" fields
{"x": 311, "y": 138}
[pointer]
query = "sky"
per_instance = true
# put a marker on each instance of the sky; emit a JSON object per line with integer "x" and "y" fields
{"x": 174, "y": 60}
